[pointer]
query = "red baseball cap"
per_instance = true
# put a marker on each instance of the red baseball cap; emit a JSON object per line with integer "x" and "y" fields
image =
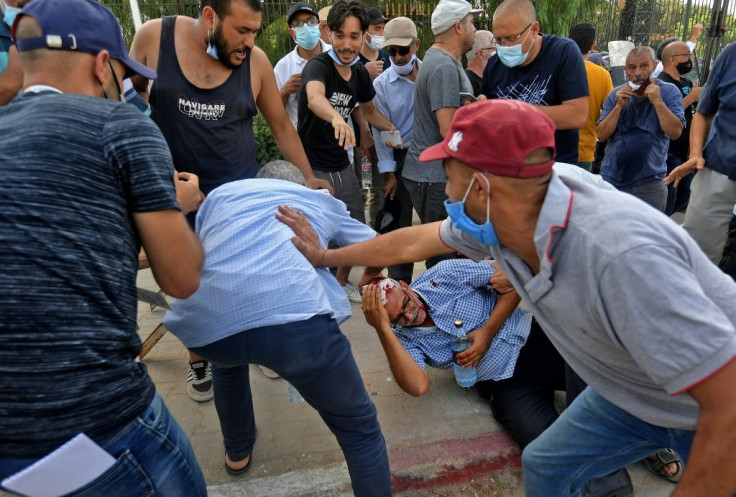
{"x": 496, "y": 136}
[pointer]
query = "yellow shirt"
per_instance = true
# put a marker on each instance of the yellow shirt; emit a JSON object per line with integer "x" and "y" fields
{"x": 599, "y": 86}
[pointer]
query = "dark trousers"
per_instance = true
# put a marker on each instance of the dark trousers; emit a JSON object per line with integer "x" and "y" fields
{"x": 524, "y": 403}
{"x": 429, "y": 202}
{"x": 315, "y": 357}
{"x": 405, "y": 271}
{"x": 677, "y": 198}
{"x": 728, "y": 263}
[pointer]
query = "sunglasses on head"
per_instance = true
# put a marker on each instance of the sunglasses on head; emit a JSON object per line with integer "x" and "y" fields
{"x": 400, "y": 50}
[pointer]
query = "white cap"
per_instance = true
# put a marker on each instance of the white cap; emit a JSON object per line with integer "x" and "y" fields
{"x": 448, "y": 12}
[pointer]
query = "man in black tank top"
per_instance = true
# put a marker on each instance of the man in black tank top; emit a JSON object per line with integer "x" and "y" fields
{"x": 212, "y": 82}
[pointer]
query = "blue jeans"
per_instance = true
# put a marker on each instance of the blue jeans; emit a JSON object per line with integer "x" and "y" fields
{"x": 153, "y": 456}
{"x": 315, "y": 357}
{"x": 592, "y": 438}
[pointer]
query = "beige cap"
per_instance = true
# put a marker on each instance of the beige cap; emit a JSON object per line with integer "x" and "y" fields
{"x": 448, "y": 12}
{"x": 322, "y": 14}
{"x": 400, "y": 31}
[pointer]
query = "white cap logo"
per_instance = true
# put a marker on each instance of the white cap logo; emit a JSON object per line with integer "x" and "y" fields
{"x": 457, "y": 137}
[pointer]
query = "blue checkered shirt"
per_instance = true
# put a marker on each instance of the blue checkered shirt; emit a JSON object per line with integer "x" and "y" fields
{"x": 458, "y": 289}
{"x": 253, "y": 275}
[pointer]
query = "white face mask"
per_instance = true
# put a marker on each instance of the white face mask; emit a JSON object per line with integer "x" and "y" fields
{"x": 406, "y": 68}
{"x": 376, "y": 42}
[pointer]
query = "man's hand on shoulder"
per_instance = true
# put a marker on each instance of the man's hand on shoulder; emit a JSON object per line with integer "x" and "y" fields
{"x": 306, "y": 239}
{"x": 316, "y": 183}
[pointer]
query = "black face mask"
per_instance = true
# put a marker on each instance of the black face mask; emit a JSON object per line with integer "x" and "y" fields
{"x": 685, "y": 67}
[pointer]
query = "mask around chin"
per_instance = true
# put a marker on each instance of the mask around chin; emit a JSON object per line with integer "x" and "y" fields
{"x": 406, "y": 68}
{"x": 10, "y": 13}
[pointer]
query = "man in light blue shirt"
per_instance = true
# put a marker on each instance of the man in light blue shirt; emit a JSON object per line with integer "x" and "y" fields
{"x": 261, "y": 302}
{"x": 395, "y": 99}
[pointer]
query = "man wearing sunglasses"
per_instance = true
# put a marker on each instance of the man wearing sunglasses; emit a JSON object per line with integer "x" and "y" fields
{"x": 543, "y": 70}
{"x": 395, "y": 99}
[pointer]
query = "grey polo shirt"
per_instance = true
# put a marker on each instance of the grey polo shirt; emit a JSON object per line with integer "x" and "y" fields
{"x": 626, "y": 296}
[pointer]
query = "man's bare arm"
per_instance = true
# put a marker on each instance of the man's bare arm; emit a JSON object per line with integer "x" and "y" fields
{"x": 570, "y": 114}
{"x": 710, "y": 471}
{"x": 173, "y": 251}
{"x": 144, "y": 49}
{"x": 412, "y": 244}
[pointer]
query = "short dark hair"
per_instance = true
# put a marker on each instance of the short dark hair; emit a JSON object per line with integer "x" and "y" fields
{"x": 342, "y": 9}
{"x": 222, "y": 7}
{"x": 583, "y": 34}
{"x": 660, "y": 47}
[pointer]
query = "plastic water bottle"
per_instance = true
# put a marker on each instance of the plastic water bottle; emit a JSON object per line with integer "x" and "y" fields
{"x": 366, "y": 173}
{"x": 465, "y": 377}
{"x": 294, "y": 395}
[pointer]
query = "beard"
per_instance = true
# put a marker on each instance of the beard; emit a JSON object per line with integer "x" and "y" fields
{"x": 223, "y": 50}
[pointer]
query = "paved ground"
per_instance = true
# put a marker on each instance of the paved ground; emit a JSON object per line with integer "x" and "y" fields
{"x": 444, "y": 444}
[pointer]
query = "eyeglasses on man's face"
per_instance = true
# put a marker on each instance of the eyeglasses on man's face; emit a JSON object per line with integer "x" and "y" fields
{"x": 510, "y": 40}
{"x": 685, "y": 54}
{"x": 298, "y": 23}
{"x": 402, "y": 319}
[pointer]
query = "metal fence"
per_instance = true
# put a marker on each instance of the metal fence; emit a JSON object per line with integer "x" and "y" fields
{"x": 641, "y": 21}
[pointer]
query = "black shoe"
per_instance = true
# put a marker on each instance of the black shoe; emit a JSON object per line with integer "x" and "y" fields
{"x": 617, "y": 484}
{"x": 199, "y": 381}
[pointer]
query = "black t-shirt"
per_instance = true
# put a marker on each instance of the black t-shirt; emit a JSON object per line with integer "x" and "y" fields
{"x": 557, "y": 74}
{"x": 475, "y": 80}
{"x": 681, "y": 146}
{"x": 381, "y": 55}
{"x": 317, "y": 135}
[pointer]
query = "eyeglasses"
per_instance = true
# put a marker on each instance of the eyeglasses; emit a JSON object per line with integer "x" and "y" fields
{"x": 508, "y": 40}
{"x": 298, "y": 23}
{"x": 402, "y": 315}
{"x": 686, "y": 54}
{"x": 392, "y": 51}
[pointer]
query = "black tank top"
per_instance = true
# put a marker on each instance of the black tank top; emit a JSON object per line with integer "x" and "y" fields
{"x": 209, "y": 131}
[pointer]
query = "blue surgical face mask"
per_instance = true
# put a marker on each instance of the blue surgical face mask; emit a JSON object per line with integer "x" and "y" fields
{"x": 513, "y": 56}
{"x": 484, "y": 233}
{"x": 10, "y": 13}
{"x": 307, "y": 37}
{"x": 211, "y": 48}
{"x": 341, "y": 63}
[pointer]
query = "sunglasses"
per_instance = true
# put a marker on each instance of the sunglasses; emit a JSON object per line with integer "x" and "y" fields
{"x": 398, "y": 50}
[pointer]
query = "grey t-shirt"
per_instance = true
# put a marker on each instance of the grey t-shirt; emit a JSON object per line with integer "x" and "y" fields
{"x": 626, "y": 296}
{"x": 439, "y": 83}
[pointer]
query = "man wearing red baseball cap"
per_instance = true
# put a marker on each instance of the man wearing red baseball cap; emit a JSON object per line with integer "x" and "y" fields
{"x": 612, "y": 283}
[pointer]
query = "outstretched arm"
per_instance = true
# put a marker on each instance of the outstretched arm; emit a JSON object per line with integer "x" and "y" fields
{"x": 408, "y": 374}
{"x": 415, "y": 243}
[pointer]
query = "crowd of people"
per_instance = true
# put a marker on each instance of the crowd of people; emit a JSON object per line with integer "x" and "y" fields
{"x": 630, "y": 314}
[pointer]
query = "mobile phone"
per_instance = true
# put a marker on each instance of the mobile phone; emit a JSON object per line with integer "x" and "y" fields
{"x": 467, "y": 96}
{"x": 392, "y": 139}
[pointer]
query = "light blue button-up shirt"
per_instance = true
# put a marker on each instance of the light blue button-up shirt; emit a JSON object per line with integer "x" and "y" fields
{"x": 253, "y": 275}
{"x": 395, "y": 99}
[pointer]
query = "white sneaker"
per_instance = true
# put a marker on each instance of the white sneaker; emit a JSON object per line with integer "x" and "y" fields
{"x": 199, "y": 381}
{"x": 352, "y": 292}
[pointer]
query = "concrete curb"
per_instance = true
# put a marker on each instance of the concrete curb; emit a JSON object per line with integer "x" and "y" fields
{"x": 417, "y": 467}
{"x": 449, "y": 462}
